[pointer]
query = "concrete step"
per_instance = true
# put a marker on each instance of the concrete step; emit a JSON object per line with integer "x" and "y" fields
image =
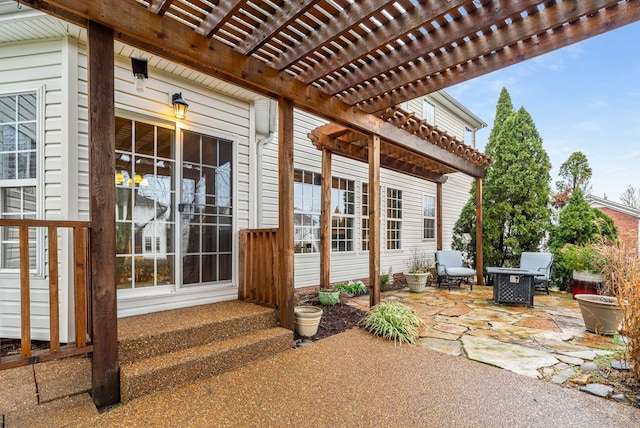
{"x": 149, "y": 335}
{"x": 58, "y": 413}
{"x": 179, "y": 368}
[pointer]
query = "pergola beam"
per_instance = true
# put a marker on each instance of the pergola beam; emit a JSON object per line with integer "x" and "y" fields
{"x": 393, "y": 30}
{"x": 353, "y": 14}
{"x": 217, "y": 18}
{"x": 537, "y": 23}
{"x": 589, "y": 26}
{"x": 291, "y": 10}
{"x": 455, "y": 31}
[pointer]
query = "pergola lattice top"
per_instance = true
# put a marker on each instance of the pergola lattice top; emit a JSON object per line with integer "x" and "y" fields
{"x": 342, "y": 59}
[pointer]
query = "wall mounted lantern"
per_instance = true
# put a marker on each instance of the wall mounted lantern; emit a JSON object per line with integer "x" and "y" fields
{"x": 179, "y": 106}
{"x": 140, "y": 73}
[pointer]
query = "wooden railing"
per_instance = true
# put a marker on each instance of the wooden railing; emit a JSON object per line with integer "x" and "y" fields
{"x": 258, "y": 271}
{"x": 81, "y": 274}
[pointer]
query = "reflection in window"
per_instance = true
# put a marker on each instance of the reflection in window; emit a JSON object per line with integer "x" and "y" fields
{"x": 18, "y": 174}
{"x": 365, "y": 216}
{"x": 394, "y": 219}
{"x": 342, "y": 214}
{"x": 306, "y": 207}
{"x": 206, "y": 208}
{"x": 145, "y": 197}
{"x": 429, "y": 217}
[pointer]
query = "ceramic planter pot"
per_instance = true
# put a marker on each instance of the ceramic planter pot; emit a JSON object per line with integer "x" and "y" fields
{"x": 307, "y": 320}
{"x": 601, "y": 314}
{"x": 417, "y": 281}
{"x": 329, "y": 298}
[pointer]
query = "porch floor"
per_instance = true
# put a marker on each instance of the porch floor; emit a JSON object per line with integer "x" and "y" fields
{"x": 354, "y": 379}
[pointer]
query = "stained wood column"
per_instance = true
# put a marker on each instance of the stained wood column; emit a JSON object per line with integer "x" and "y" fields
{"x": 439, "y": 216}
{"x": 105, "y": 382}
{"x": 285, "y": 211}
{"x": 374, "y": 220}
{"x": 479, "y": 256}
{"x": 325, "y": 220}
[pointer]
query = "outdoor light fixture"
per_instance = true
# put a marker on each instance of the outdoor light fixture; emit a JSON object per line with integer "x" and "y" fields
{"x": 179, "y": 106}
{"x": 140, "y": 73}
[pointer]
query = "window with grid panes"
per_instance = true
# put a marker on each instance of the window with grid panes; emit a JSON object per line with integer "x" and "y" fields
{"x": 429, "y": 217}
{"x": 394, "y": 219}
{"x": 18, "y": 175}
{"x": 306, "y": 211}
{"x": 342, "y": 214}
{"x": 365, "y": 216}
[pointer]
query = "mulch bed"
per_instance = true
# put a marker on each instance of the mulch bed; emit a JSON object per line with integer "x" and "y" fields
{"x": 339, "y": 317}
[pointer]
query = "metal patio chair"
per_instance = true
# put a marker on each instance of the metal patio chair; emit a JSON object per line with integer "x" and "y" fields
{"x": 450, "y": 267}
{"x": 542, "y": 262}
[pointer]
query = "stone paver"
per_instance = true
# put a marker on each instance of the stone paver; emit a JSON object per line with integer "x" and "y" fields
{"x": 451, "y": 347}
{"x": 538, "y": 323}
{"x": 515, "y": 358}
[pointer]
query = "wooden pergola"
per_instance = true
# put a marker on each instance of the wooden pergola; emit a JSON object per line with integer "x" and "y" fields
{"x": 350, "y": 62}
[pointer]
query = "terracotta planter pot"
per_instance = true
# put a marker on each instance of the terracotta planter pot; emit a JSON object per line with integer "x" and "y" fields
{"x": 417, "y": 281}
{"x": 307, "y": 320}
{"x": 601, "y": 314}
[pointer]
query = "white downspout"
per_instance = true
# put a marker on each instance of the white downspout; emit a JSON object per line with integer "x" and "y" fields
{"x": 260, "y": 144}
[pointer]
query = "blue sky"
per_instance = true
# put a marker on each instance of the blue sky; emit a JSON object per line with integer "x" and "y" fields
{"x": 585, "y": 97}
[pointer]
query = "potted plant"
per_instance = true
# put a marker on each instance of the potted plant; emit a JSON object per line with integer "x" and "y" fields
{"x": 417, "y": 271}
{"x": 329, "y": 296}
{"x": 600, "y": 310}
{"x": 586, "y": 263}
{"x": 307, "y": 320}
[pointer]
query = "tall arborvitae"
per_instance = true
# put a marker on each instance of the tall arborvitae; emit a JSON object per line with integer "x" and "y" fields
{"x": 516, "y": 192}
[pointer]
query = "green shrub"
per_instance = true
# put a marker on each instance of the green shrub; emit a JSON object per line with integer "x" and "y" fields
{"x": 352, "y": 287}
{"x": 393, "y": 321}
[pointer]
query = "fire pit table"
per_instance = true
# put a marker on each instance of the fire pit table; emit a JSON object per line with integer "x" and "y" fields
{"x": 513, "y": 285}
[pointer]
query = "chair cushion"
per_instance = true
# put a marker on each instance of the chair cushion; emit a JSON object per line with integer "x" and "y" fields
{"x": 460, "y": 271}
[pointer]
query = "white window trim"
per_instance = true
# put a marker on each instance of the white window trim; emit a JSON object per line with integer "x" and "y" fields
{"x": 434, "y": 218}
{"x": 40, "y": 270}
{"x": 400, "y": 220}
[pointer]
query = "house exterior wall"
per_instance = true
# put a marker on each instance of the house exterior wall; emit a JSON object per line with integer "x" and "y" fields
{"x": 355, "y": 264}
{"x": 38, "y": 66}
{"x": 627, "y": 226}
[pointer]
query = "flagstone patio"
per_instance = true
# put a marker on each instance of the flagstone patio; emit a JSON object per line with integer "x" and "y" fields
{"x": 547, "y": 341}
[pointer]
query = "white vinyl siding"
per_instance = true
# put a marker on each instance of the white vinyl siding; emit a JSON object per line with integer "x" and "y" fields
{"x": 36, "y": 68}
{"x": 352, "y": 265}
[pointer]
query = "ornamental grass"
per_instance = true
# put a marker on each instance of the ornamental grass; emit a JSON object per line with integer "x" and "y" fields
{"x": 622, "y": 270}
{"x": 393, "y": 321}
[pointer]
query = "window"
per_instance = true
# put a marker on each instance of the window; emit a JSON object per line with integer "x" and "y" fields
{"x": 306, "y": 207}
{"x": 429, "y": 112}
{"x": 342, "y": 214}
{"x": 394, "y": 218}
{"x": 206, "y": 209}
{"x": 468, "y": 137}
{"x": 145, "y": 200}
{"x": 18, "y": 174}
{"x": 365, "y": 217}
{"x": 429, "y": 217}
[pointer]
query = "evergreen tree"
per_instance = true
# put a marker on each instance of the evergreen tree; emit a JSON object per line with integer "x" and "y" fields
{"x": 516, "y": 193}
{"x": 578, "y": 224}
{"x": 515, "y": 200}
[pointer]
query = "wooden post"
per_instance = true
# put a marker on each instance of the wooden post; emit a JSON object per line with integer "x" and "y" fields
{"x": 285, "y": 211}
{"x": 439, "y": 216}
{"x": 479, "y": 256}
{"x": 325, "y": 220}
{"x": 374, "y": 220}
{"x": 105, "y": 376}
